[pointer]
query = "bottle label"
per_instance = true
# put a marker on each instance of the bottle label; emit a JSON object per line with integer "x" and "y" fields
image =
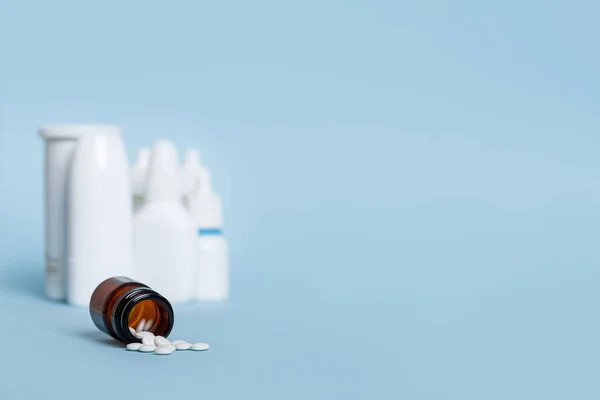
{"x": 210, "y": 232}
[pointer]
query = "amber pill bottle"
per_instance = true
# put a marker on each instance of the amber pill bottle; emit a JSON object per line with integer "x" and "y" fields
{"x": 119, "y": 303}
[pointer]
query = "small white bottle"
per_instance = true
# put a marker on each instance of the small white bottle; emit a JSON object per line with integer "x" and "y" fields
{"x": 99, "y": 214}
{"x": 193, "y": 172}
{"x": 212, "y": 249}
{"x": 139, "y": 173}
{"x": 164, "y": 233}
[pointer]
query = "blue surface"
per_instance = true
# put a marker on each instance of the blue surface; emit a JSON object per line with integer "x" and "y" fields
{"x": 411, "y": 194}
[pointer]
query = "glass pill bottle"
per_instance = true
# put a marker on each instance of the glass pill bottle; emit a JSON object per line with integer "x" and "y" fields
{"x": 120, "y": 303}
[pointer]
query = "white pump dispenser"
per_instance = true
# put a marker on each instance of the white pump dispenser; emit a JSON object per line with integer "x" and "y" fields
{"x": 163, "y": 230}
{"x": 211, "y": 253}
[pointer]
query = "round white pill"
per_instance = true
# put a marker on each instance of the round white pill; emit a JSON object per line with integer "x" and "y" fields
{"x": 132, "y": 331}
{"x": 148, "y": 339}
{"x": 175, "y": 342}
{"x": 134, "y": 346}
{"x": 147, "y": 348}
{"x": 183, "y": 345}
{"x": 141, "y": 334}
{"x": 163, "y": 350}
{"x": 199, "y": 346}
{"x": 161, "y": 341}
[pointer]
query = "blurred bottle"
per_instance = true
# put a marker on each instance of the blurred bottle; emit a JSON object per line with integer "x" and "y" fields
{"x": 139, "y": 174}
{"x": 211, "y": 252}
{"x": 60, "y": 143}
{"x": 99, "y": 215}
{"x": 192, "y": 174}
{"x": 163, "y": 230}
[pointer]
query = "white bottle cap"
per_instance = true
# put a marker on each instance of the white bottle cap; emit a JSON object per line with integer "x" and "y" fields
{"x": 162, "y": 184}
{"x": 74, "y": 131}
{"x": 205, "y": 206}
{"x": 99, "y": 215}
{"x": 192, "y": 173}
{"x": 191, "y": 158}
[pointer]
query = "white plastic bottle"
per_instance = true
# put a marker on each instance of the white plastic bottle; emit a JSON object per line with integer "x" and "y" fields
{"x": 100, "y": 222}
{"x": 60, "y": 143}
{"x": 139, "y": 173}
{"x": 192, "y": 174}
{"x": 212, "y": 249}
{"x": 163, "y": 230}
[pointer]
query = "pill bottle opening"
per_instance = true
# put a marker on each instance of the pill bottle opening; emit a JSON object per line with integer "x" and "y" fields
{"x": 146, "y": 316}
{"x": 149, "y": 313}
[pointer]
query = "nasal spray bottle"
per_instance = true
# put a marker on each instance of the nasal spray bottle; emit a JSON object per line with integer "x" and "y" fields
{"x": 164, "y": 233}
{"x": 139, "y": 172}
{"x": 212, "y": 259}
{"x": 99, "y": 215}
{"x": 192, "y": 174}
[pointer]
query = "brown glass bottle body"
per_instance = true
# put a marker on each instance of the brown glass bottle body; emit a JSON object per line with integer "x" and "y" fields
{"x": 119, "y": 303}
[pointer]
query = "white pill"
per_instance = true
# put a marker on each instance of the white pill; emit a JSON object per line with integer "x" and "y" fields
{"x": 176, "y": 342}
{"x": 141, "y": 325}
{"x": 134, "y": 346}
{"x": 163, "y": 350}
{"x": 183, "y": 345}
{"x": 147, "y": 348}
{"x": 148, "y": 339}
{"x": 161, "y": 341}
{"x": 148, "y": 325}
{"x": 199, "y": 346}
{"x": 141, "y": 334}
{"x": 132, "y": 331}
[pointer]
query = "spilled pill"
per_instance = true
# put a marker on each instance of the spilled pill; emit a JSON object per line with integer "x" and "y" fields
{"x": 183, "y": 345}
{"x": 161, "y": 341}
{"x": 134, "y": 346}
{"x": 199, "y": 346}
{"x": 163, "y": 350}
{"x": 141, "y": 334}
{"x": 148, "y": 339}
{"x": 147, "y": 348}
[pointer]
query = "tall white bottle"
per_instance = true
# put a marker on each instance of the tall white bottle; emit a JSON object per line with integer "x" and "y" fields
{"x": 164, "y": 233}
{"x": 100, "y": 222}
{"x": 139, "y": 173}
{"x": 212, "y": 250}
{"x": 193, "y": 172}
{"x": 60, "y": 143}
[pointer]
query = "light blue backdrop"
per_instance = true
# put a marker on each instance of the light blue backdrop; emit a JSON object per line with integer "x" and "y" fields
{"x": 410, "y": 188}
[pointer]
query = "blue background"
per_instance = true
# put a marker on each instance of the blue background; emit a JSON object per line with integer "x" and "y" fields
{"x": 411, "y": 193}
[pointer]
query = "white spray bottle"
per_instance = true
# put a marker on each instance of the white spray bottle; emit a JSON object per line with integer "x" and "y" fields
{"x": 212, "y": 249}
{"x": 138, "y": 173}
{"x": 193, "y": 172}
{"x": 164, "y": 233}
{"x": 99, "y": 243}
